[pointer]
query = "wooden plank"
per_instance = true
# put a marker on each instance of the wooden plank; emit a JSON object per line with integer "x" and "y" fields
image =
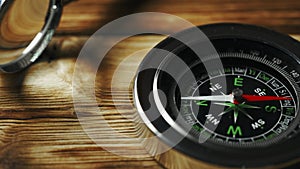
{"x": 39, "y": 128}
{"x": 87, "y": 16}
{"x": 80, "y": 18}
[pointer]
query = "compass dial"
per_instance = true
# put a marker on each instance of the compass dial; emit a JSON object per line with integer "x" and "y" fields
{"x": 263, "y": 105}
{"x": 242, "y": 113}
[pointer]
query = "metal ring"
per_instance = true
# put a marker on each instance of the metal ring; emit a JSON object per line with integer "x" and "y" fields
{"x": 40, "y": 41}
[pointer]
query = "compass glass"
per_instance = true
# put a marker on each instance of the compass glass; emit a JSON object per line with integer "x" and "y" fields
{"x": 257, "y": 103}
{"x": 245, "y": 121}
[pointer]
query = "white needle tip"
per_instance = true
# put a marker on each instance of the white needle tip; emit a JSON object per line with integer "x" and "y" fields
{"x": 220, "y": 98}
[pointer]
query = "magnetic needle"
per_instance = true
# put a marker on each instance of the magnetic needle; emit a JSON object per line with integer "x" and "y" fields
{"x": 243, "y": 113}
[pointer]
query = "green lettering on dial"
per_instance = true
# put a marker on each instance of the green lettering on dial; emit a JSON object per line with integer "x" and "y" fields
{"x": 270, "y": 109}
{"x": 238, "y": 81}
{"x": 234, "y": 131}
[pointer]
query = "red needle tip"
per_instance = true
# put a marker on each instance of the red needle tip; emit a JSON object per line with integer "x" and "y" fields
{"x": 254, "y": 98}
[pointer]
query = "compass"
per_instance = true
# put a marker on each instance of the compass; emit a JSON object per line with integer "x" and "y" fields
{"x": 241, "y": 113}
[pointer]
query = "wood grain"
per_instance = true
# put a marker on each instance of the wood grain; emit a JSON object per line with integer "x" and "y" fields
{"x": 38, "y": 125}
{"x": 39, "y": 128}
{"x": 80, "y": 18}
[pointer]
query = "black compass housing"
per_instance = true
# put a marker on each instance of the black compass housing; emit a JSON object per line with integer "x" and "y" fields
{"x": 276, "y": 53}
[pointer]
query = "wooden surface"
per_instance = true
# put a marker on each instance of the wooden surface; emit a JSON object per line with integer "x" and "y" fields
{"x": 38, "y": 126}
